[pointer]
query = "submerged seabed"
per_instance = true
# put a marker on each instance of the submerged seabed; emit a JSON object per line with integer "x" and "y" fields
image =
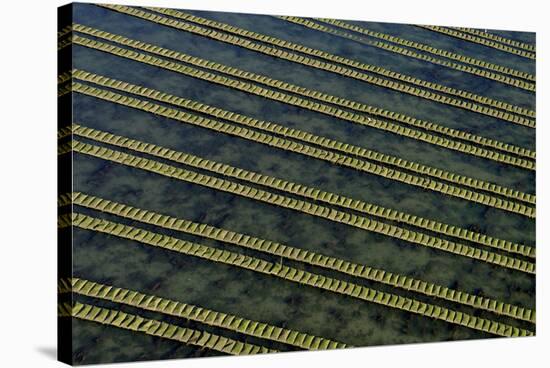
{"x": 128, "y": 264}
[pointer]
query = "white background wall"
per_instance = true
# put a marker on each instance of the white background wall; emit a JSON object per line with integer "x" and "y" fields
{"x": 28, "y": 181}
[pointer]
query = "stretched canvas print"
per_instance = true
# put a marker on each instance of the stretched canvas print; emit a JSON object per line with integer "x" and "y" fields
{"x": 248, "y": 184}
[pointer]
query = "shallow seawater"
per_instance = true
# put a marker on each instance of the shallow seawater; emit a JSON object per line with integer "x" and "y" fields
{"x": 129, "y": 264}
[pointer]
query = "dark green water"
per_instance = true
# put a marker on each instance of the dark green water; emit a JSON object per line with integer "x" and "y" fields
{"x": 134, "y": 266}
